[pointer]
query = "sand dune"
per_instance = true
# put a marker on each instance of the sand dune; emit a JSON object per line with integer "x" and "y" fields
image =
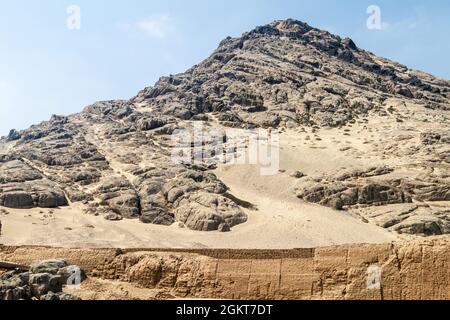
{"x": 279, "y": 221}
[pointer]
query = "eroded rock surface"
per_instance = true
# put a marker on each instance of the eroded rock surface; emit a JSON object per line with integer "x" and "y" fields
{"x": 115, "y": 156}
{"x": 411, "y": 270}
{"x": 44, "y": 281}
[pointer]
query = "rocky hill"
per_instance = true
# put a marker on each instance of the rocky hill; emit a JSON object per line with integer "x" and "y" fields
{"x": 114, "y": 158}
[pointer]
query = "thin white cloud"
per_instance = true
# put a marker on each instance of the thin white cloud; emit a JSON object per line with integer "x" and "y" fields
{"x": 160, "y": 27}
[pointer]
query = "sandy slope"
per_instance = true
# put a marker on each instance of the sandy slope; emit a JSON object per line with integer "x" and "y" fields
{"x": 284, "y": 224}
{"x": 280, "y": 221}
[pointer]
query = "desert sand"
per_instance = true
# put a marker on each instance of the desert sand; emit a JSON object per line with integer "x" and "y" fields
{"x": 279, "y": 220}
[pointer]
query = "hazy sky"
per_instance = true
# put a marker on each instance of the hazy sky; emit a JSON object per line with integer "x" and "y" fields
{"x": 123, "y": 46}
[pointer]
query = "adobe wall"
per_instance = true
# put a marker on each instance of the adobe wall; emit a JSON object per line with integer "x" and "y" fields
{"x": 411, "y": 270}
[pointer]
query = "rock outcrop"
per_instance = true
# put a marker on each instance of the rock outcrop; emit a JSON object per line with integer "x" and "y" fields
{"x": 115, "y": 156}
{"x": 22, "y": 186}
{"x": 398, "y": 204}
{"x": 44, "y": 281}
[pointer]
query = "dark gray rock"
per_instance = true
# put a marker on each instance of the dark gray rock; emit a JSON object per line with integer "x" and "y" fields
{"x": 44, "y": 281}
{"x": 298, "y": 175}
{"x": 59, "y": 297}
{"x": 112, "y": 216}
{"x": 151, "y": 123}
{"x": 48, "y": 266}
{"x": 224, "y": 227}
{"x": 16, "y": 199}
{"x": 337, "y": 195}
{"x": 13, "y": 135}
{"x": 157, "y": 216}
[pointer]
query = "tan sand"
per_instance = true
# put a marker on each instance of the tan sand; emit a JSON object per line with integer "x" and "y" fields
{"x": 280, "y": 221}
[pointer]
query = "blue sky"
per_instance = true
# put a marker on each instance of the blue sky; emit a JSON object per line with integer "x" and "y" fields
{"x": 123, "y": 46}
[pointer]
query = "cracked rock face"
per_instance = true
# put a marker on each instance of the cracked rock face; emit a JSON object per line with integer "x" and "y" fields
{"x": 25, "y": 187}
{"x": 392, "y": 203}
{"x": 114, "y": 157}
{"x": 44, "y": 281}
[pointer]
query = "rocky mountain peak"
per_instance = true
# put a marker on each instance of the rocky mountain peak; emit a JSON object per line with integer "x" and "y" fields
{"x": 288, "y": 73}
{"x": 287, "y": 27}
{"x": 298, "y": 30}
{"x": 114, "y": 157}
{"x": 291, "y": 25}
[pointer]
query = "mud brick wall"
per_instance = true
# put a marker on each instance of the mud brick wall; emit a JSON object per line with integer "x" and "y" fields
{"x": 411, "y": 270}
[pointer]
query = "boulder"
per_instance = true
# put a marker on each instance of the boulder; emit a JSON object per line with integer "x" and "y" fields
{"x": 206, "y": 212}
{"x": 42, "y": 283}
{"x": 112, "y": 216}
{"x": 59, "y": 297}
{"x": 48, "y": 266}
{"x": 339, "y": 194}
{"x": 151, "y": 124}
{"x": 51, "y": 199}
{"x": 16, "y": 200}
{"x": 424, "y": 226}
{"x": 298, "y": 175}
{"x": 157, "y": 216}
{"x": 13, "y": 135}
{"x": 224, "y": 227}
{"x": 127, "y": 205}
